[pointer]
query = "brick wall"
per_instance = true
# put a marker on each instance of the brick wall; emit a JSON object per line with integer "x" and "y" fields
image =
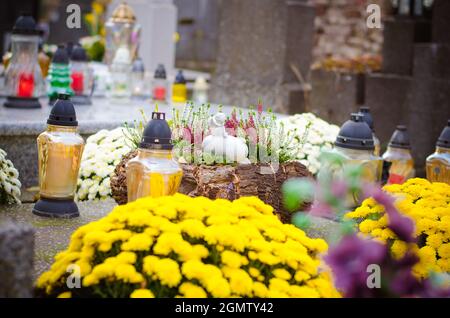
{"x": 341, "y": 29}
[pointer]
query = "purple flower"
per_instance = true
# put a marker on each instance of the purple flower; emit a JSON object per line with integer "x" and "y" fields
{"x": 349, "y": 261}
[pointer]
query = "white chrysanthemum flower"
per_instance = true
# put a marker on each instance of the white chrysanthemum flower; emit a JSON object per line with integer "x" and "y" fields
{"x": 102, "y": 153}
{"x": 9, "y": 181}
{"x": 312, "y": 135}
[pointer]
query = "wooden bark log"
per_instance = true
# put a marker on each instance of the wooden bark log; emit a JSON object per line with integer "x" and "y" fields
{"x": 227, "y": 182}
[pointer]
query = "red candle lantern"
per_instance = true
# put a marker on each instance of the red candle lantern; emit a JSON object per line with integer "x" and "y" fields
{"x": 23, "y": 78}
{"x": 81, "y": 75}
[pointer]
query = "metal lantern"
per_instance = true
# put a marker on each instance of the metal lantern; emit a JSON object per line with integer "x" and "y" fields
{"x": 23, "y": 79}
{"x": 398, "y": 161}
{"x": 122, "y": 31}
{"x": 82, "y": 76}
{"x": 59, "y": 150}
{"x": 154, "y": 172}
{"x": 438, "y": 164}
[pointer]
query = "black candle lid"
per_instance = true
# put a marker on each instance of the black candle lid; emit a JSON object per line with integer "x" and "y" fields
{"x": 160, "y": 72}
{"x": 63, "y": 112}
{"x": 355, "y": 134}
{"x": 61, "y": 56}
{"x": 400, "y": 138}
{"x": 444, "y": 138}
{"x": 25, "y": 25}
{"x": 79, "y": 54}
{"x": 179, "y": 79}
{"x": 367, "y": 116}
{"x": 157, "y": 133}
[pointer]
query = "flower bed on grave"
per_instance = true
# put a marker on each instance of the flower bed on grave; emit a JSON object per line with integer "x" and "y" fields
{"x": 190, "y": 247}
{"x": 9, "y": 181}
{"x": 215, "y": 177}
{"x": 428, "y": 205}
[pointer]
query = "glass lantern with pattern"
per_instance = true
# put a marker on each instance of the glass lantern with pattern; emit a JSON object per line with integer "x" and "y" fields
{"x": 122, "y": 31}
{"x": 24, "y": 83}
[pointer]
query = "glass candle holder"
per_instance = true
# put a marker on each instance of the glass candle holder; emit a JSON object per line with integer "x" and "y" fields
{"x": 438, "y": 163}
{"x": 398, "y": 161}
{"x": 81, "y": 75}
{"x": 179, "y": 89}
{"x": 122, "y": 31}
{"x": 60, "y": 148}
{"x": 121, "y": 74}
{"x": 355, "y": 145}
{"x": 59, "y": 81}
{"x": 154, "y": 172}
{"x": 138, "y": 87}
{"x": 368, "y": 119}
{"x": 200, "y": 94}
{"x": 160, "y": 85}
{"x": 24, "y": 83}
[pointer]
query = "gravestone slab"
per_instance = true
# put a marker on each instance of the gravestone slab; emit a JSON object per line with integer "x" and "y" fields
{"x": 398, "y": 46}
{"x": 16, "y": 259}
{"x": 441, "y": 21}
{"x": 388, "y": 97}
{"x": 334, "y": 95}
{"x": 259, "y": 41}
{"x": 431, "y": 61}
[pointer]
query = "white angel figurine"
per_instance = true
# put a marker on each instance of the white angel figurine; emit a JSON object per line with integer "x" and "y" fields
{"x": 220, "y": 143}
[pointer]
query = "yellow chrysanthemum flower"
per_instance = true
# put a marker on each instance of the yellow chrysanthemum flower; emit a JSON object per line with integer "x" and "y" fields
{"x": 180, "y": 246}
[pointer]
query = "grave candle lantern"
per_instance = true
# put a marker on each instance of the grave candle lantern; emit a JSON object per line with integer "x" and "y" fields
{"x": 121, "y": 74}
{"x": 354, "y": 144}
{"x": 59, "y": 150}
{"x": 200, "y": 95}
{"x": 137, "y": 79}
{"x": 23, "y": 76}
{"x": 179, "y": 89}
{"x": 438, "y": 164}
{"x": 160, "y": 84}
{"x": 397, "y": 158}
{"x": 368, "y": 119}
{"x": 122, "y": 31}
{"x": 81, "y": 75}
{"x": 59, "y": 75}
{"x": 154, "y": 172}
